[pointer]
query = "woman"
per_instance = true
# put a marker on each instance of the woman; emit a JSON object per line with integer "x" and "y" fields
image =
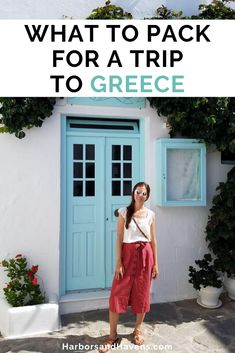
{"x": 136, "y": 264}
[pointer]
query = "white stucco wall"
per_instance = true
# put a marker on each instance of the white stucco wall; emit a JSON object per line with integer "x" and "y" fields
{"x": 30, "y": 199}
{"x": 53, "y": 9}
{"x": 180, "y": 230}
{"x": 30, "y": 203}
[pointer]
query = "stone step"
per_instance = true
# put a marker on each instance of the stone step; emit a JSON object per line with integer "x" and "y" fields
{"x": 84, "y": 301}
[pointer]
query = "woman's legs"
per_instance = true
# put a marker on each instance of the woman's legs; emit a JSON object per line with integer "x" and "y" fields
{"x": 139, "y": 320}
{"x": 138, "y": 337}
{"x": 113, "y": 321}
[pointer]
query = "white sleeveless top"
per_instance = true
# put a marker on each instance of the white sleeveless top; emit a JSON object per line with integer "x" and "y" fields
{"x": 132, "y": 234}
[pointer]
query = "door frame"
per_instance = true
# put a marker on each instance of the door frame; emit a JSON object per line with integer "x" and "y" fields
{"x": 63, "y": 162}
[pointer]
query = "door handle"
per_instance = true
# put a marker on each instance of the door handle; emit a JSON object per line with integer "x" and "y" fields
{"x": 116, "y": 213}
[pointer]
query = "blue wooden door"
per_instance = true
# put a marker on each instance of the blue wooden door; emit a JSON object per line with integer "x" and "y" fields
{"x": 101, "y": 172}
{"x": 122, "y": 173}
{"x": 85, "y": 216}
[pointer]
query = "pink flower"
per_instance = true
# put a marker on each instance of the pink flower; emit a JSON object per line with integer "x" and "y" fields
{"x": 18, "y": 256}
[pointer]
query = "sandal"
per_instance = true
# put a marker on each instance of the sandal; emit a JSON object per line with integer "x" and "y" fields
{"x": 138, "y": 337}
{"x": 108, "y": 344}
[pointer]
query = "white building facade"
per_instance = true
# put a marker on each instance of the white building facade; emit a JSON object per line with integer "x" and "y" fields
{"x": 58, "y": 208}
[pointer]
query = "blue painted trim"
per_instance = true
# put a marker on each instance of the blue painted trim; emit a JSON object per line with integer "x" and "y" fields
{"x": 83, "y": 125}
{"x": 64, "y": 134}
{"x": 142, "y": 148}
{"x": 162, "y": 145}
{"x": 62, "y": 247}
{"x": 89, "y": 132}
{"x": 124, "y": 102}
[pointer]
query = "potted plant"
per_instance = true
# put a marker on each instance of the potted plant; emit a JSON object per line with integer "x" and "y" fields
{"x": 220, "y": 231}
{"x": 207, "y": 281}
{"x": 23, "y": 311}
{"x": 23, "y": 288}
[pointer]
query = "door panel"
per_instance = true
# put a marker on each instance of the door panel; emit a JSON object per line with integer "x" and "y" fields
{"x": 85, "y": 217}
{"x": 122, "y": 173}
{"x": 101, "y": 172}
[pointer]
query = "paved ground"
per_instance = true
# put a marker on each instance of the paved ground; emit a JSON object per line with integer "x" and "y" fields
{"x": 181, "y": 326}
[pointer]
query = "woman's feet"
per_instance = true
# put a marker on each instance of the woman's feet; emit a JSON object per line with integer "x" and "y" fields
{"x": 108, "y": 344}
{"x": 111, "y": 342}
{"x": 138, "y": 337}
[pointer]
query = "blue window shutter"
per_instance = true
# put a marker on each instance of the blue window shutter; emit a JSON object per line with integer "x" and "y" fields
{"x": 181, "y": 172}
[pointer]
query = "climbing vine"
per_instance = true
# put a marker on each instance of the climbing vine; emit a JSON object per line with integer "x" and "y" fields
{"x": 17, "y": 114}
{"x": 220, "y": 229}
{"x": 210, "y": 119}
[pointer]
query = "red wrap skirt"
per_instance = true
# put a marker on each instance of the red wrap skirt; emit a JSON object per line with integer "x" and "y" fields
{"x": 134, "y": 287}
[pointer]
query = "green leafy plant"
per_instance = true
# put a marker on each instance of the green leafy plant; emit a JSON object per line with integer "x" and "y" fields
{"x": 17, "y": 114}
{"x": 209, "y": 119}
{"x": 205, "y": 274}
{"x": 220, "y": 229}
{"x": 216, "y": 10}
{"x": 109, "y": 12}
{"x": 163, "y": 13}
{"x": 23, "y": 288}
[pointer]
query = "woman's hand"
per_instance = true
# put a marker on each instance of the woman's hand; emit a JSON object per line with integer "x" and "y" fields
{"x": 155, "y": 272}
{"x": 119, "y": 271}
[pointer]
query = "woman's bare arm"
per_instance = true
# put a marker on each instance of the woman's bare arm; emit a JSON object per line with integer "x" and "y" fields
{"x": 120, "y": 233}
{"x": 155, "y": 270}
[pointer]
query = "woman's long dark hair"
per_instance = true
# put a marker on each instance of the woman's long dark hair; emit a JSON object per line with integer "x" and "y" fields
{"x": 131, "y": 207}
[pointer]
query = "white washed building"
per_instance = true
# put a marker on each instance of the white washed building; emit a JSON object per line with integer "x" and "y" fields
{"x": 62, "y": 183}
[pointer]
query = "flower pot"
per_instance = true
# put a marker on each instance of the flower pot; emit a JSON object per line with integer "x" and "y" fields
{"x": 209, "y": 297}
{"x": 28, "y": 320}
{"x": 229, "y": 284}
